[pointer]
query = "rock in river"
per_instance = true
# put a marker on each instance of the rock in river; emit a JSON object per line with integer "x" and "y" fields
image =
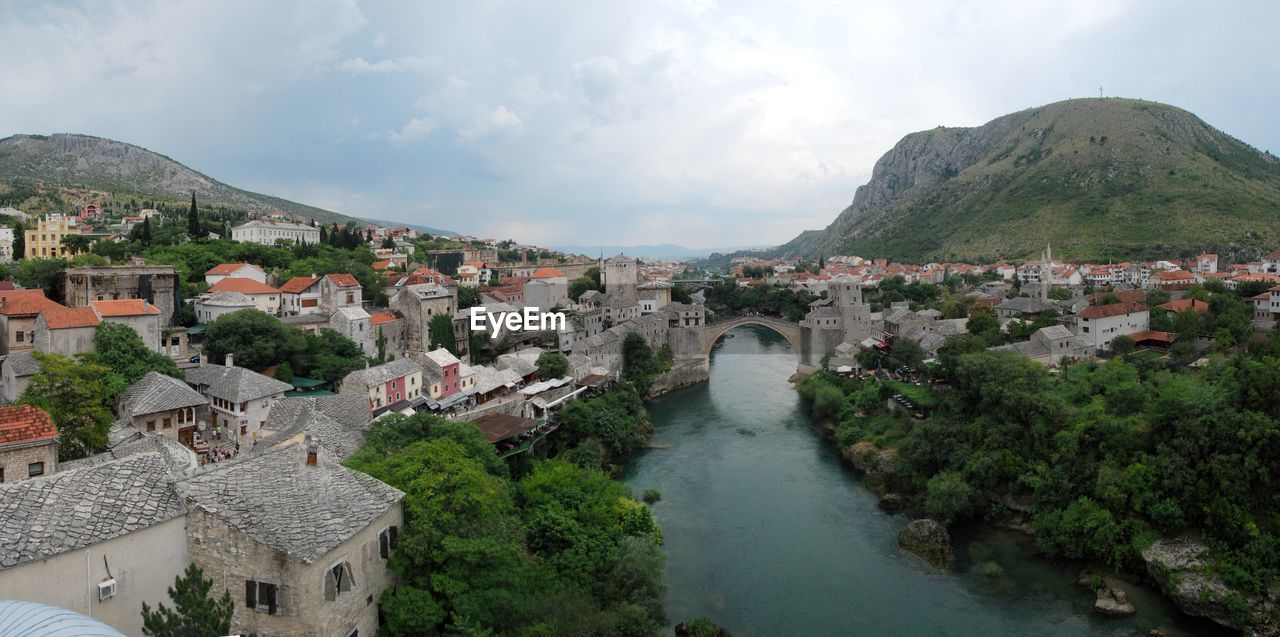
{"x": 928, "y": 539}
{"x": 891, "y": 503}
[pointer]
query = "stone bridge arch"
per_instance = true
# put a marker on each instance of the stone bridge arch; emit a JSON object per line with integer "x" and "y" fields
{"x": 788, "y": 330}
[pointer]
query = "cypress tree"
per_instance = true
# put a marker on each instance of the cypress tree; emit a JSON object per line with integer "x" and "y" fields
{"x": 193, "y": 220}
{"x": 146, "y": 231}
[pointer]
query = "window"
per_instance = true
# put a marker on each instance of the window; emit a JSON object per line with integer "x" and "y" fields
{"x": 351, "y": 298}
{"x": 262, "y": 596}
{"x": 21, "y": 336}
{"x": 1, "y": 475}
{"x": 35, "y": 469}
{"x": 151, "y": 425}
{"x": 168, "y": 423}
{"x": 387, "y": 541}
{"x": 337, "y": 580}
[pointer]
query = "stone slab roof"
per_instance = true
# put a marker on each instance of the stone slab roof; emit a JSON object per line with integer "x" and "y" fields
{"x": 235, "y": 384}
{"x": 383, "y": 373}
{"x": 24, "y": 363}
{"x": 308, "y": 510}
{"x": 46, "y": 516}
{"x": 156, "y": 392}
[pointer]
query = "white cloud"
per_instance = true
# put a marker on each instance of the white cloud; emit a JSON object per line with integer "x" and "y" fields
{"x": 494, "y": 123}
{"x": 413, "y": 130}
{"x": 359, "y": 65}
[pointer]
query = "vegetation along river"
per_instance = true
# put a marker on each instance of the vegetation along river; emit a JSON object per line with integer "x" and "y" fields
{"x": 767, "y": 533}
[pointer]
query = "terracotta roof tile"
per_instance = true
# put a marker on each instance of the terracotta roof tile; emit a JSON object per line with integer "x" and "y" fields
{"x": 1114, "y": 309}
{"x": 61, "y": 318}
{"x": 382, "y": 318}
{"x": 1185, "y": 304}
{"x": 17, "y": 302}
{"x": 243, "y": 286}
{"x": 546, "y": 273}
{"x": 226, "y": 269}
{"x": 343, "y": 280}
{"x": 25, "y": 424}
{"x": 298, "y": 284}
{"x": 124, "y": 307}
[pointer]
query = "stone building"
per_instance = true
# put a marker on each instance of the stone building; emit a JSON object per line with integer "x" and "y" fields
{"x": 355, "y": 323}
{"x": 66, "y": 330}
{"x": 28, "y": 443}
{"x": 163, "y": 404}
{"x": 265, "y": 298}
{"x": 235, "y": 271}
{"x": 388, "y": 328}
{"x": 338, "y": 291}
{"x": 211, "y": 306}
{"x": 317, "y": 565}
{"x": 300, "y": 296}
{"x": 240, "y": 398}
{"x": 99, "y": 540}
{"x": 18, "y": 312}
{"x": 619, "y": 275}
{"x": 6, "y": 244}
{"x": 547, "y": 288}
{"x": 17, "y": 370}
{"x": 156, "y": 284}
{"x": 143, "y": 317}
{"x": 418, "y": 304}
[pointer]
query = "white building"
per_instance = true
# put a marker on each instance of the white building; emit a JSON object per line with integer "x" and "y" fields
{"x": 268, "y": 232}
{"x": 6, "y": 245}
{"x": 1101, "y": 324}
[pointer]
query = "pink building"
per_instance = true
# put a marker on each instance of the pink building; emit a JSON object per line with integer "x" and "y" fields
{"x": 445, "y": 367}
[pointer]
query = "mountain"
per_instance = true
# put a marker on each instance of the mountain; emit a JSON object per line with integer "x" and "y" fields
{"x": 659, "y": 251}
{"x": 1099, "y": 178}
{"x": 68, "y": 160}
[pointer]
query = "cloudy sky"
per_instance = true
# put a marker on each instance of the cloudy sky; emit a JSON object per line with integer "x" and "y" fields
{"x": 696, "y": 122}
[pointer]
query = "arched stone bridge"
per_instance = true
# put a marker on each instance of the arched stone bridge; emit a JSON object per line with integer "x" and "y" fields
{"x": 788, "y": 330}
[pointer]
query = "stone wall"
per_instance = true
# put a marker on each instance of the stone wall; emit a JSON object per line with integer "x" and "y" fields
{"x": 682, "y": 374}
{"x": 15, "y": 461}
{"x": 230, "y": 558}
{"x": 816, "y": 342}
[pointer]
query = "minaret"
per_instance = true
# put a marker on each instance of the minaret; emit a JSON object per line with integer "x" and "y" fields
{"x": 600, "y": 266}
{"x": 1046, "y": 272}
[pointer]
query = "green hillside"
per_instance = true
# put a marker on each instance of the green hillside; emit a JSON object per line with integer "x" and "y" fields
{"x": 72, "y": 169}
{"x": 1100, "y": 178}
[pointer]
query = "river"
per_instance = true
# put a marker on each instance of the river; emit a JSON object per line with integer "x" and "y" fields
{"x": 767, "y": 533}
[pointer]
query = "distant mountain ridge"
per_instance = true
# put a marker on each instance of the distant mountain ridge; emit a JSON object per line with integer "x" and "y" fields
{"x": 84, "y": 161}
{"x": 656, "y": 251}
{"x": 1099, "y": 178}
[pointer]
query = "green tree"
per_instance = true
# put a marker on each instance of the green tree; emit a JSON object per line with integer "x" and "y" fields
{"x": 118, "y": 348}
{"x": 440, "y": 327}
{"x": 193, "y": 220}
{"x": 78, "y": 396}
{"x": 195, "y": 613}
{"x": 256, "y": 340}
{"x": 552, "y": 365}
{"x": 948, "y": 497}
{"x": 284, "y": 372}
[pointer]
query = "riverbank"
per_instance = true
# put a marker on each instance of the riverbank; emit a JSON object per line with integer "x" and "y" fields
{"x": 932, "y": 468}
{"x": 768, "y": 533}
{"x": 682, "y": 374}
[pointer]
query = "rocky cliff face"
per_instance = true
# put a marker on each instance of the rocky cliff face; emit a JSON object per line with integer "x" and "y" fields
{"x": 1088, "y": 175}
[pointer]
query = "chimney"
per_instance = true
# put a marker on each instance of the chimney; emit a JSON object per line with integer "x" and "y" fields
{"x": 313, "y": 450}
{"x": 230, "y": 359}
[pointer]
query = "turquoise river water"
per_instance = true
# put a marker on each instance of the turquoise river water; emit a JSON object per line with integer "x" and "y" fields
{"x": 767, "y": 533}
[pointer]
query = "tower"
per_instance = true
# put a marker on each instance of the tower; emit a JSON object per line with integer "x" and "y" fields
{"x": 619, "y": 276}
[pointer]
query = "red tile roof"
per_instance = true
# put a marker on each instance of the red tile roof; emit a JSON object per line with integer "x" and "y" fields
{"x": 1152, "y": 335}
{"x": 124, "y": 307}
{"x": 382, "y": 318}
{"x": 1114, "y": 309}
{"x": 7, "y": 286}
{"x": 298, "y": 284}
{"x": 343, "y": 280}
{"x": 381, "y": 265}
{"x": 227, "y": 269}
{"x": 1185, "y": 304}
{"x": 25, "y": 424}
{"x": 61, "y": 318}
{"x": 19, "y": 302}
{"x": 1174, "y": 275}
{"x": 546, "y": 273}
{"x": 243, "y": 286}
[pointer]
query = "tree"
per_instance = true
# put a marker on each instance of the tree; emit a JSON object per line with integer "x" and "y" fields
{"x": 440, "y": 327}
{"x": 388, "y": 243}
{"x": 284, "y": 372}
{"x": 145, "y": 235}
{"x": 552, "y": 365}
{"x": 78, "y": 396}
{"x": 194, "y": 614}
{"x": 1122, "y": 345}
{"x": 639, "y": 365}
{"x": 118, "y": 348}
{"x": 76, "y": 243}
{"x": 255, "y": 340}
{"x": 193, "y": 220}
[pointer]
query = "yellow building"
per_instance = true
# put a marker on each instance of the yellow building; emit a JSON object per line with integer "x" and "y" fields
{"x": 44, "y": 241}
